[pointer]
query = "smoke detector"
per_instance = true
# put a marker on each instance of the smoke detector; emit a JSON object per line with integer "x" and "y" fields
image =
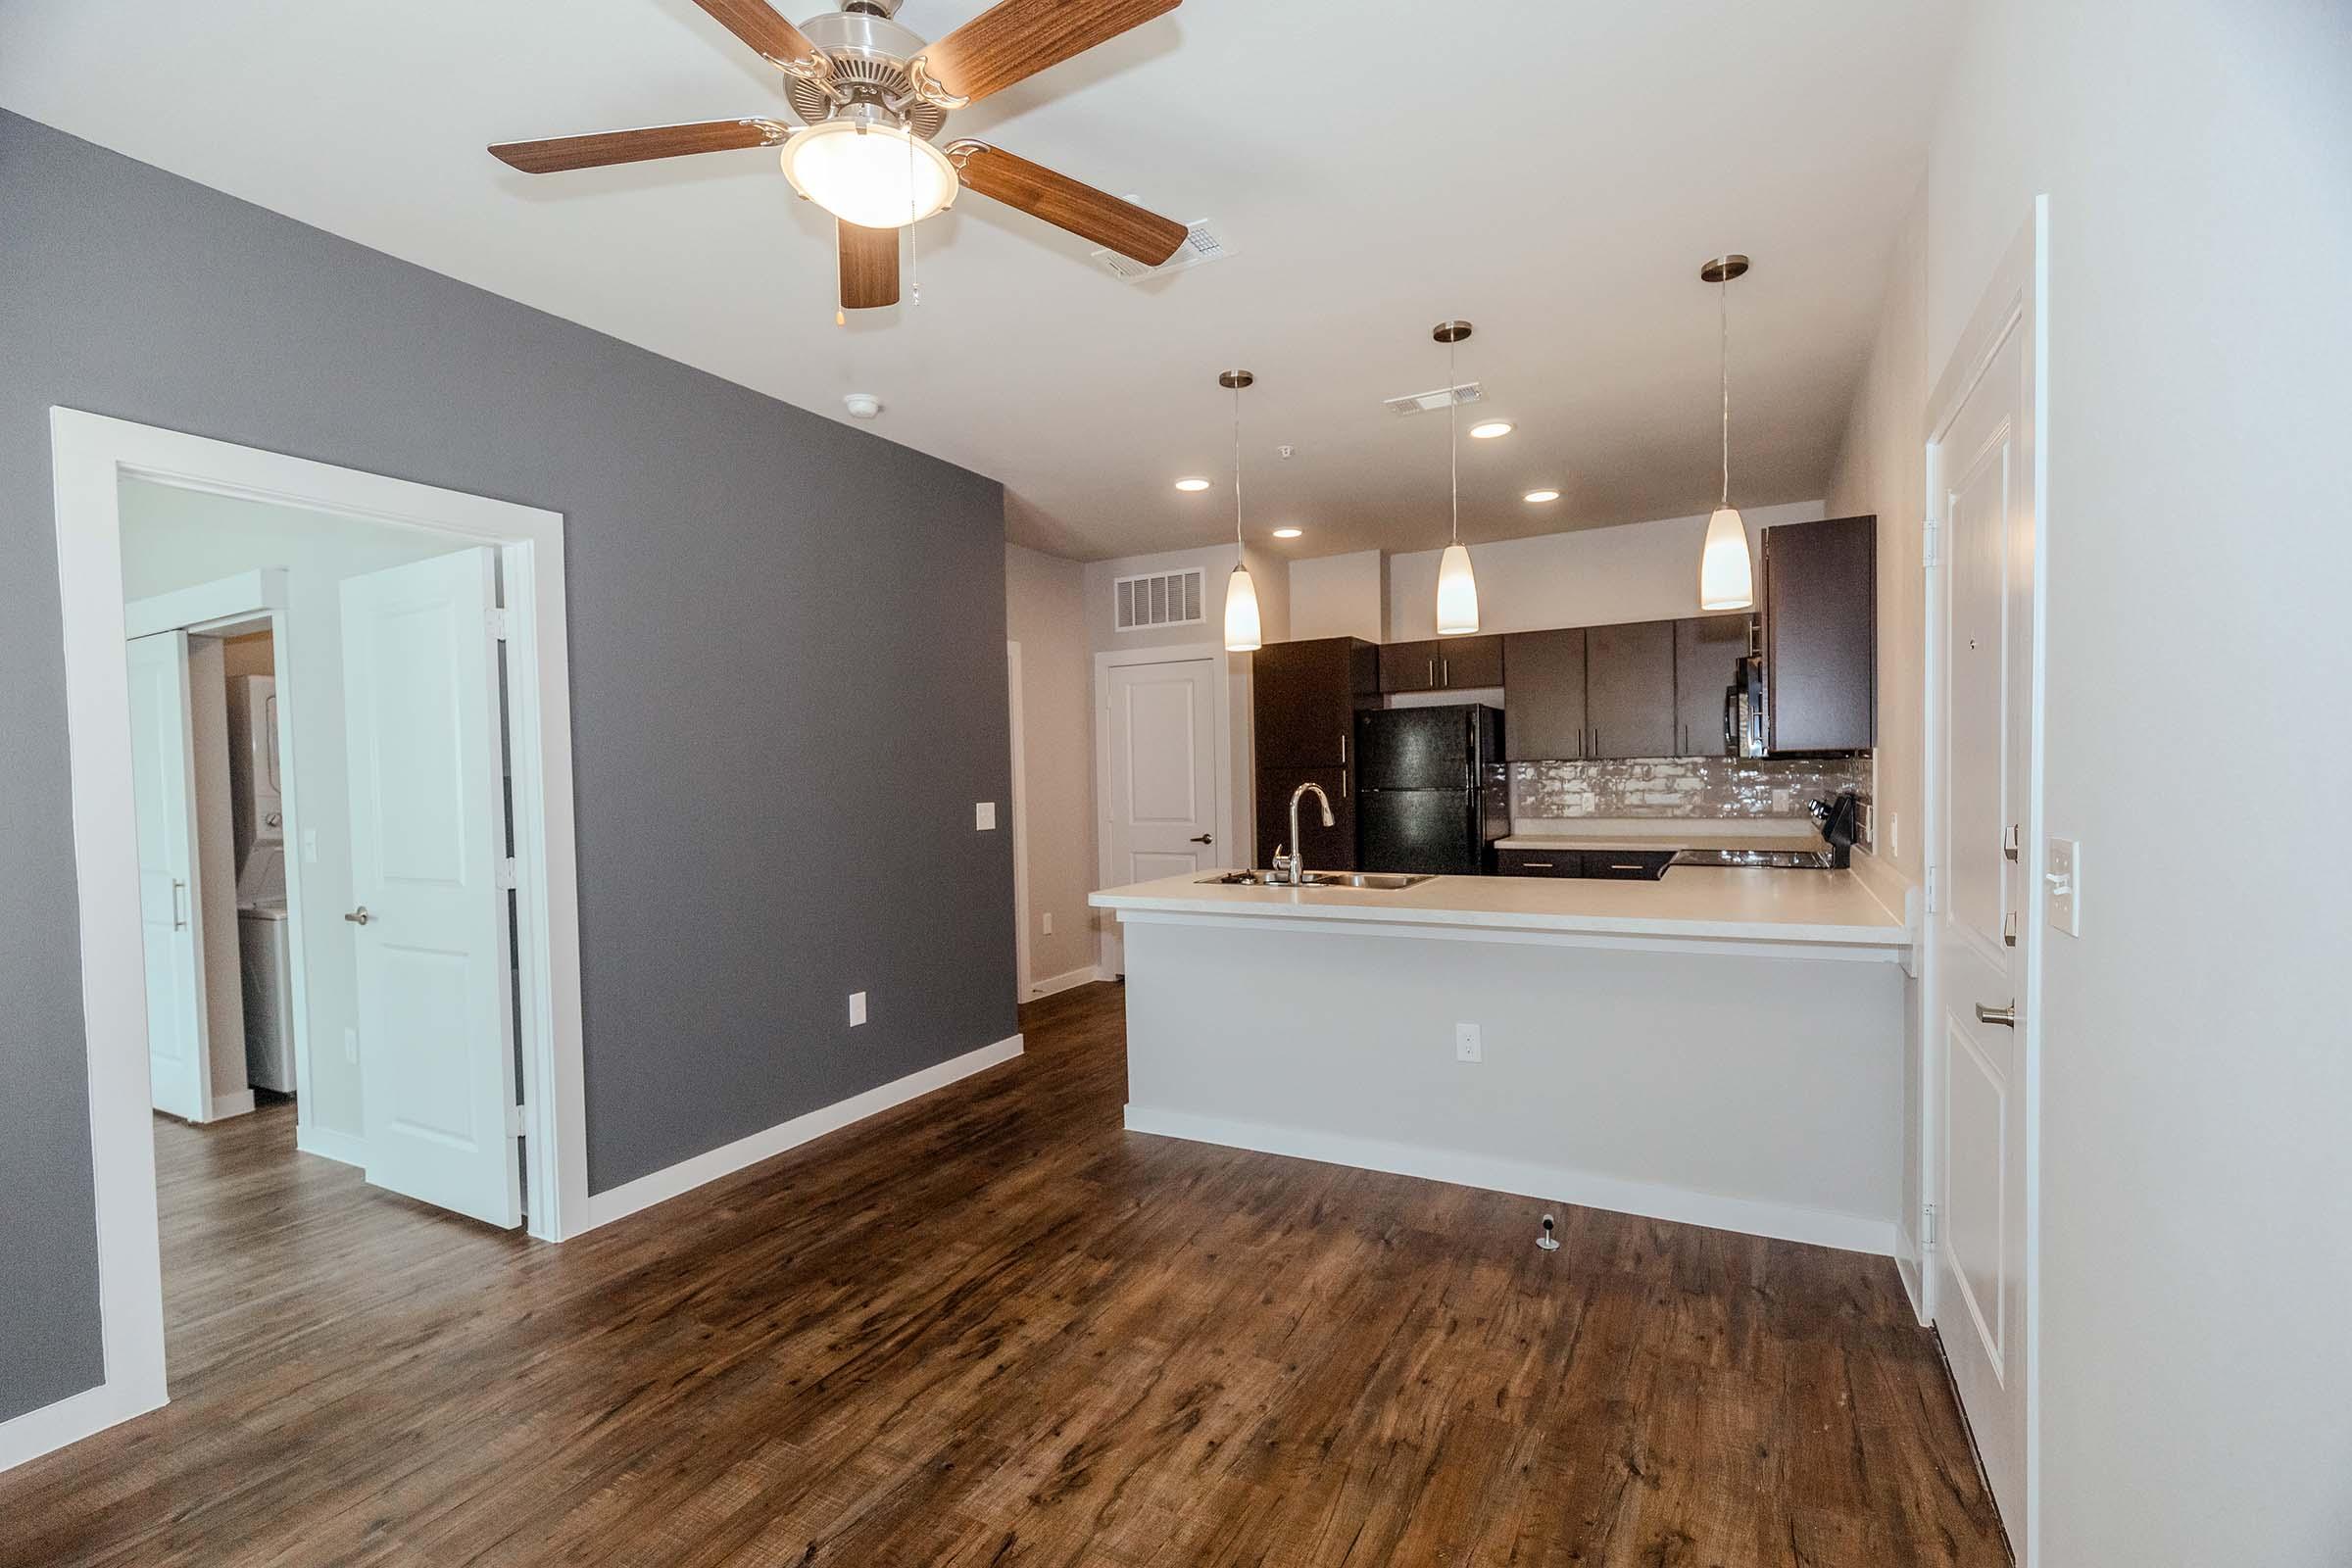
{"x": 861, "y": 404}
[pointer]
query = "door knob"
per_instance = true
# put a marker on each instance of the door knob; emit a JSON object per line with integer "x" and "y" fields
{"x": 2006, "y": 1017}
{"x": 358, "y": 916}
{"x": 1203, "y": 839}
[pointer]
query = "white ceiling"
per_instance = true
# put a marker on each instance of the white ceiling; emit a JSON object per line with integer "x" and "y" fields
{"x": 1553, "y": 170}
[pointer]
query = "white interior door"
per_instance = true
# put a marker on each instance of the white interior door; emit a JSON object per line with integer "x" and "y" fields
{"x": 1161, "y": 818}
{"x": 1985, "y": 495}
{"x": 429, "y": 842}
{"x": 171, "y": 915}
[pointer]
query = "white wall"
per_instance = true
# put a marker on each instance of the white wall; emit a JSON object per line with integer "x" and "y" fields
{"x": 1045, "y": 613}
{"x": 2198, "y": 1065}
{"x": 174, "y": 538}
{"x": 1589, "y": 577}
{"x": 1340, "y": 596}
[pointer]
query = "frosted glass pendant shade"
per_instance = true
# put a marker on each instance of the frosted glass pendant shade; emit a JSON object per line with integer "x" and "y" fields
{"x": 1241, "y": 613}
{"x": 1458, "y": 593}
{"x": 1725, "y": 579}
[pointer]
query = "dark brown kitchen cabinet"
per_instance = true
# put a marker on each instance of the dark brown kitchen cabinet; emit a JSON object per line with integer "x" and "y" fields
{"x": 1328, "y": 849}
{"x": 1629, "y": 690}
{"x": 1539, "y": 862}
{"x": 1820, "y": 601}
{"x": 1304, "y": 696}
{"x": 1544, "y": 693}
{"x": 1442, "y": 664}
{"x": 1708, "y": 651}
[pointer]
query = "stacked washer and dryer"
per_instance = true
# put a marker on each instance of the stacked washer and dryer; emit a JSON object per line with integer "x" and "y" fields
{"x": 256, "y": 794}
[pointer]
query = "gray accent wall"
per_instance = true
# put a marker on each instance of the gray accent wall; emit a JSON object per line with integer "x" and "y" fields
{"x": 787, "y": 671}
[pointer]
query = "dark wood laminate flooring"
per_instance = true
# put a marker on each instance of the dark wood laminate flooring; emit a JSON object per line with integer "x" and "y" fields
{"x": 992, "y": 1328}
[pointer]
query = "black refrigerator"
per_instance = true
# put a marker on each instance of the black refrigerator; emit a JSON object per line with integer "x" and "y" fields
{"x": 1432, "y": 793}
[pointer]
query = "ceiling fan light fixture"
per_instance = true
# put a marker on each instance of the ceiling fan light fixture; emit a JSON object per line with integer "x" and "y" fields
{"x": 869, "y": 172}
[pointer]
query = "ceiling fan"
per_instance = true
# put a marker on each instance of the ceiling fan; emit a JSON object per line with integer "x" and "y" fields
{"x": 873, "y": 96}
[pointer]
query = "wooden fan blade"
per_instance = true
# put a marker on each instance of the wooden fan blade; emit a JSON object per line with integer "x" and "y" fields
{"x": 869, "y": 266}
{"x": 635, "y": 146}
{"x": 757, "y": 24}
{"x": 1019, "y": 38}
{"x": 1062, "y": 202}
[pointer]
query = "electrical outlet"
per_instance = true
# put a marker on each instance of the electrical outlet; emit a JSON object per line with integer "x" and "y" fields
{"x": 351, "y": 1045}
{"x": 856, "y": 1009}
{"x": 984, "y": 815}
{"x": 1048, "y": 917}
{"x": 1466, "y": 1043}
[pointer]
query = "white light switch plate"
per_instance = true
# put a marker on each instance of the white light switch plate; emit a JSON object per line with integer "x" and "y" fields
{"x": 2061, "y": 883}
{"x": 856, "y": 1009}
{"x": 1049, "y": 922}
{"x": 1467, "y": 1045}
{"x": 984, "y": 815}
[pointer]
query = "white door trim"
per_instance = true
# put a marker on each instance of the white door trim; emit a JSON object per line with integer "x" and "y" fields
{"x": 250, "y": 596}
{"x": 1020, "y": 825}
{"x": 2016, "y": 296}
{"x": 1221, "y": 704}
{"x": 91, "y": 454}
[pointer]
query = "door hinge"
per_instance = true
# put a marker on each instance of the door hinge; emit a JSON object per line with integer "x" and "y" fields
{"x": 519, "y": 1120}
{"x": 1931, "y": 890}
{"x": 1928, "y": 1227}
{"x": 508, "y": 875}
{"x": 497, "y": 619}
{"x": 1926, "y": 542}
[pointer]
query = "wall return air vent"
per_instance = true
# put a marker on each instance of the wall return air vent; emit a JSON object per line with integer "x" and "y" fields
{"x": 1163, "y": 599}
{"x": 1201, "y": 245}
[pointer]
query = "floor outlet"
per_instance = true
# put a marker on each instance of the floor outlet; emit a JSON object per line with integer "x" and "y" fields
{"x": 856, "y": 1009}
{"x": 1466, "y": 1046}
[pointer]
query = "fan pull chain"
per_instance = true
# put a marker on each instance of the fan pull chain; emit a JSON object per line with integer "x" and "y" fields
{"x": 914, "y": 259}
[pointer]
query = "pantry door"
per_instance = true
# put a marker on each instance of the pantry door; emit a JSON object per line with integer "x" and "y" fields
{"x": 163, "y": 755}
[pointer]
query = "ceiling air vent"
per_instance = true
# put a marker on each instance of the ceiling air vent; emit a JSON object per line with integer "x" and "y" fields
{"x": 1163, "y": 599}
{"x": 1432, "y": 402}
{"x": 1201, "y": 245}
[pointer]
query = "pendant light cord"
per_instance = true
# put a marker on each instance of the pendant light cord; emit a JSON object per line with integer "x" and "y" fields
{"x": 1454, "y": 442}
{"x": 1237, "y": 474}
{"x": 1722, "y": 296}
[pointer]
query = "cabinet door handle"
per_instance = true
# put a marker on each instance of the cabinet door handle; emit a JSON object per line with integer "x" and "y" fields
{"x": 1342, "y": 748}
{"x": 1433, "y": 673}
{"x": 1445, "y": 672}
{"x": 1685, "y": 739}
{"x": 1535, "y": 865}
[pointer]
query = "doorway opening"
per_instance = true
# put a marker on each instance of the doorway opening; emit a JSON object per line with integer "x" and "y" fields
{"x": 405, "y": 648}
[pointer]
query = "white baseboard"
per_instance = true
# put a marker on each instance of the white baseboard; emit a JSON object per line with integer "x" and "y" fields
{"x": 72, "y": 1419}
{"x": 328, "y": 1144}
{"x": 669, "y": 1182}
{"x": 1053, "y": 984}
{"x": 240, "y": 1103}
{"x": 1908, "y": 1264}
{"x": 1787, "y": 1222}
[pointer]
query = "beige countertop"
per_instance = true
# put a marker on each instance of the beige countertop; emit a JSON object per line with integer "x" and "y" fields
{"x": 1706, "y": 904}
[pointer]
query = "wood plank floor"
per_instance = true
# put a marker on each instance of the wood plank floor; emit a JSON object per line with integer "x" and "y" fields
{"x": 992, "y": 1328}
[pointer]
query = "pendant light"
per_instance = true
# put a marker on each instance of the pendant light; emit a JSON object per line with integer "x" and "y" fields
{"x": 1242, "y": 629}
{"x": 1725, "y": 579}
{"x": 1457, "y": 587}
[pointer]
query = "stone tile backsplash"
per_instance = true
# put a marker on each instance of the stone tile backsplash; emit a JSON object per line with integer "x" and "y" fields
{"x": 1701, "y": 788}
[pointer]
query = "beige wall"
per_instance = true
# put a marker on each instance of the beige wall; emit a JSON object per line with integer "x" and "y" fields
{"x": 1882, "y": 471}
{"x": 2194, "y": 1065}
{"x": 1045, "y": 613}
{"x": 1340, "y": 596}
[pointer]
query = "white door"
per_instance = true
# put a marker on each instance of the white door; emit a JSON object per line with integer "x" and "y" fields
{"x": 1161, "y": 817}
{"x": 163, "y": 760}
{"x": 1984, "y": 494}
{"x": 428, "y": 840}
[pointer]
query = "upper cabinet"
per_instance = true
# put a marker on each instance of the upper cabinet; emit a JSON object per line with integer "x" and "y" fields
{"x": 1820, "y": 603}
{"x": 1628, "y": 689}
{"x": 1708, "y": 650}
{"x": 1442, "y": 664}
{"x": 1305, "y": 697}
{"x": 1544, "y": 693}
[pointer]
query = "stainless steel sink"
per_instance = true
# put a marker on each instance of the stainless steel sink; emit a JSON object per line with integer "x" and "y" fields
{"x": 1369, "y": 881}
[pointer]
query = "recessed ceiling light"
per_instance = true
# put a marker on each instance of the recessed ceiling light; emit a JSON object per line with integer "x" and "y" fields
{"x": 1192, "y": 484}
{"x": 1288, "y": 533}
{"x": 1536, "y": 498}
{"x": 1491, "y": 429}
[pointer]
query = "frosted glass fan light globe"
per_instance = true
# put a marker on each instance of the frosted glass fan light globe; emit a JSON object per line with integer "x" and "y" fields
{"x": 876, "y": 177}
{"x": 1726, "y": 580}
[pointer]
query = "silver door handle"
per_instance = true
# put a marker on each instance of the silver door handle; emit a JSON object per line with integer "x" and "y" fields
{"x": 179, "y": 922}
{"x": 2006, "y": 1017}
{"x": 1433, "y": 673}
{"x": 358, "y": 916}
{"x": 1203, "y": 839}
{"x": 1445, "y": 672}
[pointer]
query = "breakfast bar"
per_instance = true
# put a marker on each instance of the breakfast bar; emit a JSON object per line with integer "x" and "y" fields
{"x": 1722, "y": 1046}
